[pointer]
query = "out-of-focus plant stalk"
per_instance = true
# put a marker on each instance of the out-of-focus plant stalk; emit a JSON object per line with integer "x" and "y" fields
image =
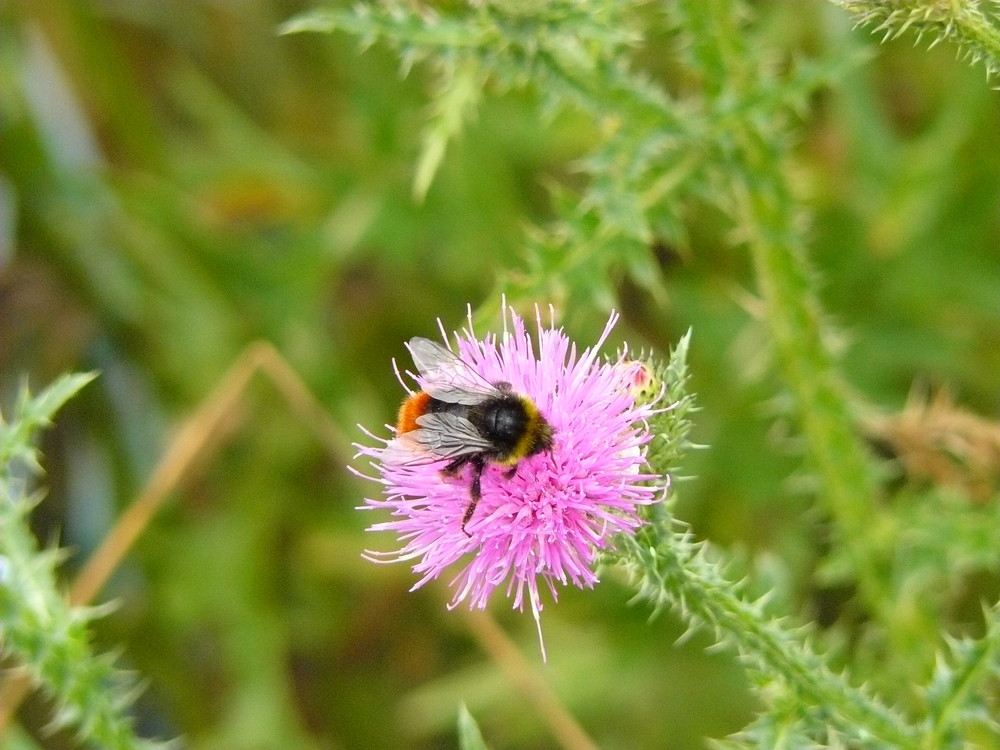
{"x": 770, "y": 220}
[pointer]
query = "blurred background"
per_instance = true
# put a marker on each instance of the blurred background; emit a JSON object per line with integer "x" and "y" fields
{"x": 178, "y": 181}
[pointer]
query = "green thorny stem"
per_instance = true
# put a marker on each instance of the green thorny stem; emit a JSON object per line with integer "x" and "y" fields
{"x": 667, "y": 566}
{"x": 38, "y": 626}
{"x": 771, "y": 221}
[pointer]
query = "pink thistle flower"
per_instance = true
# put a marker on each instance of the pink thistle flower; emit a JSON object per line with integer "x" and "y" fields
{"x": 547, "y": 521}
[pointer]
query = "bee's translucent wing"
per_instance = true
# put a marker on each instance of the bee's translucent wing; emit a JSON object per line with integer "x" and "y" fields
{"x": 446, "y": 377}
{"x": 449, "y": 436}
{"x": 440, "y": 436}
{"x": 406, "y": 449}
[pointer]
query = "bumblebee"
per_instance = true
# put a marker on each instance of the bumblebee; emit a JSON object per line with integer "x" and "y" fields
{"x": 464, "y": 419}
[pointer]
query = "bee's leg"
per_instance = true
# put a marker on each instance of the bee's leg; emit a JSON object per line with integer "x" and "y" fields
{"x": 475, "y": 489}
{"x": 451, "y": 470}
{"x": 509, "y": 474}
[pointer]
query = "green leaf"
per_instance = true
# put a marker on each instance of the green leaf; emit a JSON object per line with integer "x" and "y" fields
{"x": 469, "y": 736}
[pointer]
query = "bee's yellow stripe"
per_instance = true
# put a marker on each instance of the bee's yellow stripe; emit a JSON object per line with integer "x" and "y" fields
{"x": 530, "y": 434}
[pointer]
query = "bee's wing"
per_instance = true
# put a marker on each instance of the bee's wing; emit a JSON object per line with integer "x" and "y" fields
{"x": 446, "y": 377}
{"x": 406, "y": 449}
{"x": 449, "y": 436}
{"x": 439, "y": 436}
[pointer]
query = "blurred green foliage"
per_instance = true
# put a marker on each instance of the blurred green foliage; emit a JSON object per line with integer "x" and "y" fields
{"x": 177, "y": 181}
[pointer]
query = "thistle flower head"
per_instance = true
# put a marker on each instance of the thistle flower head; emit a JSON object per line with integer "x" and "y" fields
{"x": 543, "y": 522}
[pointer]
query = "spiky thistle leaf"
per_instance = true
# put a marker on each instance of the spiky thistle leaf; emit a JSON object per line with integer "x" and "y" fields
{"x": 30, "y": 415}
{"x": 39, "y": 628}
{"x": 955, "y": 696}
{"x": 974, "y": 31}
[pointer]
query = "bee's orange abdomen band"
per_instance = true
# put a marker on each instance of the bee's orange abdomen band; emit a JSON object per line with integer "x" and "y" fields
{"x": 414, "y": 406}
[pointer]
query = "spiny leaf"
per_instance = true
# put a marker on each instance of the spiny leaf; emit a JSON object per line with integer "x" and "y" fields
{"x": 954, "y": 695}
{"x": 974, "y": 32}
{"x": 31, "y": 414}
